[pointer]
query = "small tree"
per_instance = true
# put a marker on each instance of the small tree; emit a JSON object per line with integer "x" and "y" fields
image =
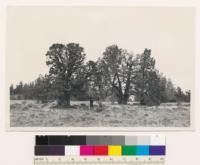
{"x": 92, "y": 80}
{"x": 163, "y": 93}
{"x": 19, "y": 88}
{"x": 170, "y": 91}
{"x": 182, "y": 96}
{"x": 97, "y": 88}
{"x": 188, "y": 94}
{"x": 42, "y": 88}
{"x": 152, "y": 95}
{"x": 11, "y": 89}
{"x": 167, "y": 90}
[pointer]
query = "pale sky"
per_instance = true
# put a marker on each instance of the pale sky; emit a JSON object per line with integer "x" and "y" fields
{"x": 168, "y": 31}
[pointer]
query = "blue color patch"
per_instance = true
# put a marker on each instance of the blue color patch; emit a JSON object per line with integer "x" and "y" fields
{"x": 142, "y": 150}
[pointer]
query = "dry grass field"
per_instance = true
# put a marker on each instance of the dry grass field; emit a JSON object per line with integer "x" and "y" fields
{"x": 29, "y": 113}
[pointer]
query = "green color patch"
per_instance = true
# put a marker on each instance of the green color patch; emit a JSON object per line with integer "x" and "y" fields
{"x": 128, "y": 150}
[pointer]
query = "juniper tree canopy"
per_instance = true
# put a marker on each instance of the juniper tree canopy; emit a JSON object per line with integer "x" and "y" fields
{"x": 65, "y": 61}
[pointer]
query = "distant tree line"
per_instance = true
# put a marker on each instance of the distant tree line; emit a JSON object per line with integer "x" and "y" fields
{"x": 116, "y": 76}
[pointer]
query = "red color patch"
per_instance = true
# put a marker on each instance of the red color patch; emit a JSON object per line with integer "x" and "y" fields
{"x": 100, "y": 150}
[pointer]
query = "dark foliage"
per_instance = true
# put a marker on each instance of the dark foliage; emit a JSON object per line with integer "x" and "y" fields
{"x": 117, "y": 75}
{"x": 65, "y": 62}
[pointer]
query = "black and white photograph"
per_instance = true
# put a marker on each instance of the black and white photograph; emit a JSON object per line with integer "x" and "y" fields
{"x": 100, "y": 66}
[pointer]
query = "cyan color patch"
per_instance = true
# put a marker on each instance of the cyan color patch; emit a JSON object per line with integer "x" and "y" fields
{"x": 142, "y": 150}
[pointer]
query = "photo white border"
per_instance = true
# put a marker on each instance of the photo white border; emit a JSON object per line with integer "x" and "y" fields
{"x": 134, "y": 3}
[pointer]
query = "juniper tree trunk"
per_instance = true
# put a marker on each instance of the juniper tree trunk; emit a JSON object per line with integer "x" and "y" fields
{"x": 68, "y": 99}
{"x": 120, "y": 98}
{"x": 64, "y": 100}
{"x": 123, "y": 99}
{"x": 91, "y": 103}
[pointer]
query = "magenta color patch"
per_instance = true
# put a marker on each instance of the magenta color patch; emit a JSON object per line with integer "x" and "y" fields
{"x": 86, "y": 150}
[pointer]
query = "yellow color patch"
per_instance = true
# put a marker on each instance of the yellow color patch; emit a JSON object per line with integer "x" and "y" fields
{"x": 115, "y": 150}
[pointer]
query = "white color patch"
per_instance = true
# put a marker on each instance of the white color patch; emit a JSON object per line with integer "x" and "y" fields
{"x": 157, "y": 140}
{"x": 72, "y": 150}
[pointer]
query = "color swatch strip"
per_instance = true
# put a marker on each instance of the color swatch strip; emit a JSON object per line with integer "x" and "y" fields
{"x": 100, "y": 140}
{"x": 100, "y": 146}
{"x": 99, "y": 150}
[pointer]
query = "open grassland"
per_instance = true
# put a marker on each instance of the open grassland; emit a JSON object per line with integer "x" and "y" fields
{"x": 29, "y": 113}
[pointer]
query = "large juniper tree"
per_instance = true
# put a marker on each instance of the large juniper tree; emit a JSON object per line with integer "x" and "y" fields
{"x": 147, "y": 84}
{"x": 64, "y": 61}
{"x": 119, "y": 70}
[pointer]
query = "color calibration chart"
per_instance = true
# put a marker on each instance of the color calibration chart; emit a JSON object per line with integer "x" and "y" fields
{"x": 99, "y": 150}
